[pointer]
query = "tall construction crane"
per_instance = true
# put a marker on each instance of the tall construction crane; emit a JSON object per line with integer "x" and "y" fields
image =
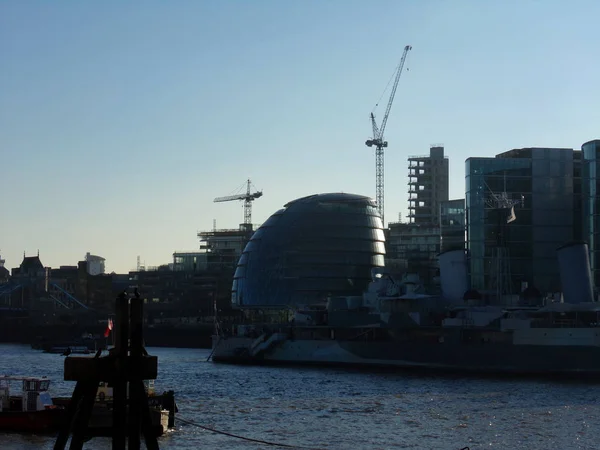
{"x": 248, "y": 198}
{"x": 378, "y": 140}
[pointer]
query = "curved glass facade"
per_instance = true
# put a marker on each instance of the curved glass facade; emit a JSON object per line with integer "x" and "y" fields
{"x": 315, "y": 247}
{"x": 591, "y": 204}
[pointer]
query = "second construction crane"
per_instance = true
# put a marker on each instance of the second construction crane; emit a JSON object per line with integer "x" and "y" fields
{"x": 380, "y": 143}
{"x": 248, "y": 198}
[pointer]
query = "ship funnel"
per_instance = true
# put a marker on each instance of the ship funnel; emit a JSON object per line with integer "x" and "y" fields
{"x": 453, "y": 274}
{"x": 575, "y": 276}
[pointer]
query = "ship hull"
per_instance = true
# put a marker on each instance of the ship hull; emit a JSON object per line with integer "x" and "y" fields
{"x": 40, "y": 422}
{"x": 51, "y": 420}
{"x": 483, "y": 358}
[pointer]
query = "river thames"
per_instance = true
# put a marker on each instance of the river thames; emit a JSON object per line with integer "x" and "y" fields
{"x": 343, "y": 409}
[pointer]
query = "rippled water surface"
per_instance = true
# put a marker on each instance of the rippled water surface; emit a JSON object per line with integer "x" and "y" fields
{"x": 340, "y": 409}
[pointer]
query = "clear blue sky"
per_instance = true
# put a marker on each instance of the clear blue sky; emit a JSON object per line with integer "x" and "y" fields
{"x": 121, "y": 121}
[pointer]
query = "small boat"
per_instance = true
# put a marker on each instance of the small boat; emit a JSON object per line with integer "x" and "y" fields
{"x": 33, "y": 410}
{"x": 161, "y": 405}
{"x": 69, "y": 350}
{"x": 92, "y": 342}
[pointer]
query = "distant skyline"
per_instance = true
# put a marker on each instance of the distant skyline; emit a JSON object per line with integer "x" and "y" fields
{"x": 121, "y": 122}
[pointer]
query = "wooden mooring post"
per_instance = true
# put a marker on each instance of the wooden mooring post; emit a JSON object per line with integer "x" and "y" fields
{"x": 126, "y": 366}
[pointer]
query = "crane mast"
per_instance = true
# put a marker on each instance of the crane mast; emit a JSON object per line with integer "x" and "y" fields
{"x": 379, "y": 142}
{"x": 248, "y": 197}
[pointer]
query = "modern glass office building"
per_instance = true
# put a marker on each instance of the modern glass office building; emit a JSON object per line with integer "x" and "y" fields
{"x": 315, "y": 247}
{"x": 590, "y": 181}
{"x": 540, "y": 182}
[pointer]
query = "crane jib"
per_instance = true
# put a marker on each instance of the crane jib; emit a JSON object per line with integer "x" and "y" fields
{"x": 248, "y": 198}
{"x": 380, "y": 143}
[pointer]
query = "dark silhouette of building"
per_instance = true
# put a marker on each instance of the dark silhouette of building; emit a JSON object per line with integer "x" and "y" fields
{"x": 182, "y": 293}
{"x": 4, "y": 272}
{"x": 452, "y": 225}
{"x": 36, "y": 287}
{"x": 29, "y": 282}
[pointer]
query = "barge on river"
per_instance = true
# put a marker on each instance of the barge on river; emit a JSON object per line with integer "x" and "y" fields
{"x": 34, "y": 411}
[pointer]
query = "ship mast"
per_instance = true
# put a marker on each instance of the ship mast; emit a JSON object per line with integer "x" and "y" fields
{"x": 503, "y": 212}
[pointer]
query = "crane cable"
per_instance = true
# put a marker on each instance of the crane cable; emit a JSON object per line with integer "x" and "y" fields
{"x": 259, "y": 441}
{"x": 240, "y": 189}
{"x": 388, "y": 85}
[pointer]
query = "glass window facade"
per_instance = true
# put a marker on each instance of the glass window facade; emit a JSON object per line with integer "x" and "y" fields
{"x": 590, "y": 205}
{"x": 452, "y": 225}
{"x": 315, "y": 247}
{"x": 190, "y": 262}
{"x": 541, "y": 181}
{"x": 414, "y": 248}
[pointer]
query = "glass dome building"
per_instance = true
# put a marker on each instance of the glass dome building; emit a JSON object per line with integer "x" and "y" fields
{"x": 315, "y": 247}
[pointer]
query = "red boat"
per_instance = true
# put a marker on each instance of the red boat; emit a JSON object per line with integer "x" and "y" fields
{"x": 26, "y": 407}
{"x": 31, "y": 410}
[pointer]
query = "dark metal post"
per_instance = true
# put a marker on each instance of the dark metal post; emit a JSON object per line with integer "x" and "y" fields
{"x": 120, "y": 385}
{"x": 136, "y": 348}
{"x": 127, "y": 364}
{"x": 81, "y": 421}
{"x": 63, "y": 434}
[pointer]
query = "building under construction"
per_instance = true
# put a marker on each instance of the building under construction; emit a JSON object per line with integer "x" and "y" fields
{"x": 428, "y": 185}
{"x": 219, "y": 249}
{"x": 414, "y": 246}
